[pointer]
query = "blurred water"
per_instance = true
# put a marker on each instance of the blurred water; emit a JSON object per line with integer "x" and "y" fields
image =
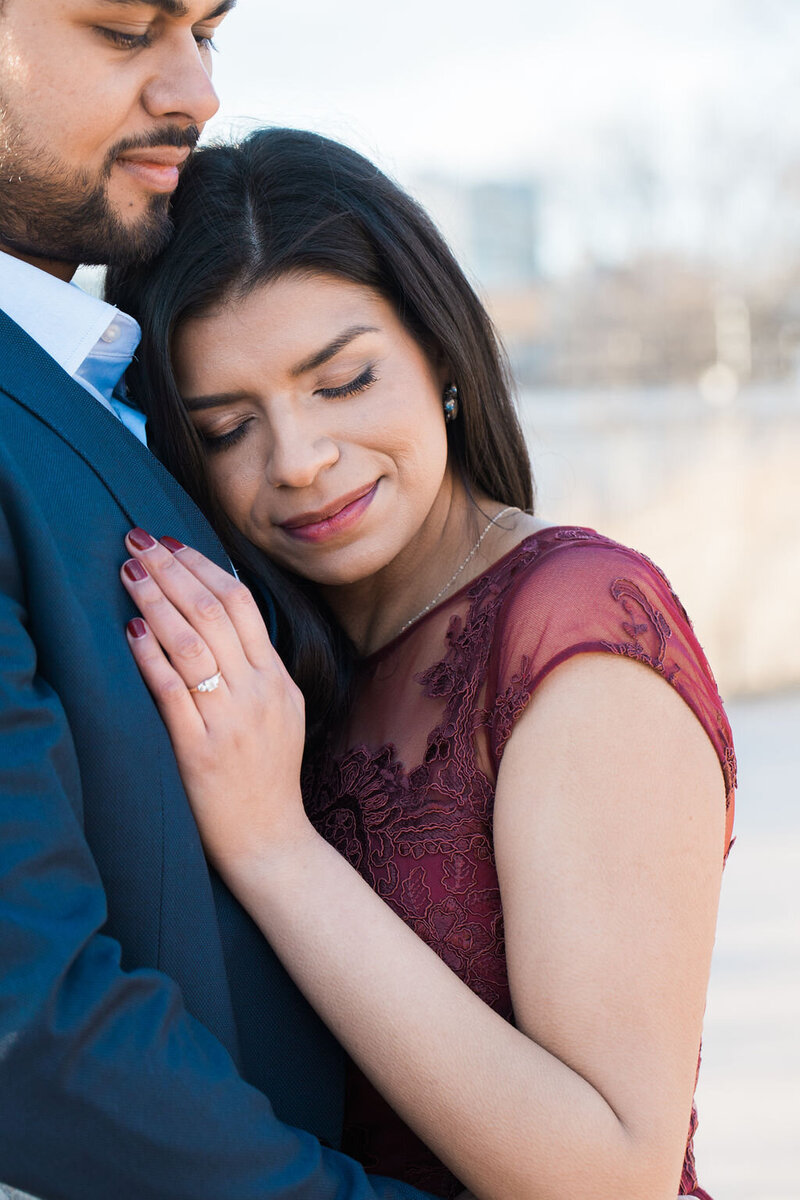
{"x": 712, "y": 494}
{"x": 748, "y": 1143}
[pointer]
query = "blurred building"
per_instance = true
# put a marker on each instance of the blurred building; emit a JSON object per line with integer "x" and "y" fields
{"x": 656, "y": 316}
{"x": 493, "y": 227}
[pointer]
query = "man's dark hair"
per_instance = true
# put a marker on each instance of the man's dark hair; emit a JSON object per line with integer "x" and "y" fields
{"x": 280, "y": 202}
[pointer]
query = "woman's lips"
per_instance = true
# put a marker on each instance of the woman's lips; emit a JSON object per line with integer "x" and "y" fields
{"x": 309, "y": 527}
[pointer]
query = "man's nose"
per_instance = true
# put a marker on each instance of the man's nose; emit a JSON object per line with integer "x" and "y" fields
{"x": 181, "y": 88}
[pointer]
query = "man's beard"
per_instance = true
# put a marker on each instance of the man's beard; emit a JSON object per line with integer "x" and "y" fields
{"x": 50, "y": 212}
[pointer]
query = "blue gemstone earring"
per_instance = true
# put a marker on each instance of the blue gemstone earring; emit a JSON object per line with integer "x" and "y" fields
{"x": 450, "y": 402}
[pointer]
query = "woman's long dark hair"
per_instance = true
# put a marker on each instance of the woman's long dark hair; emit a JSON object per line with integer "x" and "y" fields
{"x": 284, "y": 201}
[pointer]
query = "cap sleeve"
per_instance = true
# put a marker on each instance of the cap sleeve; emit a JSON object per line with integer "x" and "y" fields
{"x": 582, "y": 594}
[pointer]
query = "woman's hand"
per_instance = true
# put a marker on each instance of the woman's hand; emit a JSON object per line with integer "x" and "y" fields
{"x": 239, "y": 745}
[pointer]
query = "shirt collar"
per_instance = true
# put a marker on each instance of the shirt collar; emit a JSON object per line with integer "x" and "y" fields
{"x": 66, "y": 322}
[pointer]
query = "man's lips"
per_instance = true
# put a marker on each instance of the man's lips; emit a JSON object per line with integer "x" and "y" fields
{"x": 158, "y": 167}
{"x": 324, "y": 522}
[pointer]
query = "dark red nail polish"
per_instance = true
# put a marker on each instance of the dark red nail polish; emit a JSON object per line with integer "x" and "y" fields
{"x": 141, "y": 540}
{"x": 172, "y": 544}
{"x": 134, "y": 570}
{"x": 137, "y": 628}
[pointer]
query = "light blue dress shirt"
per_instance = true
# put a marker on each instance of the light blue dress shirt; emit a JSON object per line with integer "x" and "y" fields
{"x": 91, "y": 340}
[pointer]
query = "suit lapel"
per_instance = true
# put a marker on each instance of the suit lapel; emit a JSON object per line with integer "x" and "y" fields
{"x": 145, "y": 491}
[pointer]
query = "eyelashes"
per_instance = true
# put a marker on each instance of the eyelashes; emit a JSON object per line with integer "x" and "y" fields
{"x": 223, "y": 441}
{"x": 352, "y": 388}
{"x": 140, "y": 41}
{"x": 125, "y": 41}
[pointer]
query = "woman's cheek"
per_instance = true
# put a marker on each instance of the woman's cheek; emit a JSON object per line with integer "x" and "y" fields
{"x": 231, "y": 490}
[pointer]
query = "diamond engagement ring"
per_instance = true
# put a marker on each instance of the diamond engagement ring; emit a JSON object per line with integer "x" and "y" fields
{"x": 208, "y": 685}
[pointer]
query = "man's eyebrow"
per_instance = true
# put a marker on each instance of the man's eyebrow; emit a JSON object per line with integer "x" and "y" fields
{"x": 220, "y": 10}
{"x": 173, "y": 8}
{"x": 319, "y": 357}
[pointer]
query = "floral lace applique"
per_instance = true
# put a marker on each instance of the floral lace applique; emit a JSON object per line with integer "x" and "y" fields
{"x": 643, "y": 619}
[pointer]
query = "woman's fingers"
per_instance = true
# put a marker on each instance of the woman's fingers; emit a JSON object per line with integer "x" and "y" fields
{"x": 196, "y": 649}
{"x": 189, "y": 620}
{"x": 190, "y": 654}
{"x": 214, "y": 602}
{"x": 173, "y": 699}
{"x": 237, "y": 599}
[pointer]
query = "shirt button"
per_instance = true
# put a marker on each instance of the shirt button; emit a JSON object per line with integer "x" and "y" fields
{"x": 111, "y": 334}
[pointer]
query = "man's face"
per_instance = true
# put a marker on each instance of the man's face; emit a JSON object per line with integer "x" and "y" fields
{"x": 101, "y": 102}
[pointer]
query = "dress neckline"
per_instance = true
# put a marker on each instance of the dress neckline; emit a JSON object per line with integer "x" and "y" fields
{"x": 404, "y": 634}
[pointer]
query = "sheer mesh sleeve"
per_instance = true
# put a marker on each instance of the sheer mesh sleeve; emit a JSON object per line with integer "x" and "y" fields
{"x": 580, "y": 594}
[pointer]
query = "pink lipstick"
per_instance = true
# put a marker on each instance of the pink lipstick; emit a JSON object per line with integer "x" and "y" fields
{"x": 326, "y": 523}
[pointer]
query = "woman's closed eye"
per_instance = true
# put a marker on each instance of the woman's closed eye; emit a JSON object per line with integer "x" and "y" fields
{"x": 222, "y": 441}
{"x": 229, "y": 434}
{"x": 352, "y": 388}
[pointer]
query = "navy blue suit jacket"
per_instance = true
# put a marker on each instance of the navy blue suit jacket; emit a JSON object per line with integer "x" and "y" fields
{"x": 144, "y": 1021}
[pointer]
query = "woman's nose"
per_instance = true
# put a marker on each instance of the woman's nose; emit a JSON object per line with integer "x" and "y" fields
{"x": 298, "y": 456}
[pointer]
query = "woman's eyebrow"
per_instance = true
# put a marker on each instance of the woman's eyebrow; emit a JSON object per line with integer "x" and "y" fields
{"x": 327, "y": 352}
{"x": 215, "y": 401}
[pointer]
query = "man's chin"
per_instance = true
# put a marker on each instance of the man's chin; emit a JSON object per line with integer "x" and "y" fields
{"x": 121, "y": 243}
{"x": 111, "y": 225}
{"x": 61, "y": 218}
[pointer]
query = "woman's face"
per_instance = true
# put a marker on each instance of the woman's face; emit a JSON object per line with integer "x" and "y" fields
{"x": 323, "y": 422}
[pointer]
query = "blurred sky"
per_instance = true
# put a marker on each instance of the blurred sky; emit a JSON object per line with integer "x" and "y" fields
{"x": 664, "y": 97}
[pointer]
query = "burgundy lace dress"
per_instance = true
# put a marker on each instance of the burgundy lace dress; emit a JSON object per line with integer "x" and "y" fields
{"x": 406, "y": 790}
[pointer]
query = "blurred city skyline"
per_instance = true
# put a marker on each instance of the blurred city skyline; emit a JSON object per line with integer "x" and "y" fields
{"x": 642, "y": 125}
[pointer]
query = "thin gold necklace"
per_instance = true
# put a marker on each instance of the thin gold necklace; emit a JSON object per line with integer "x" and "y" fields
{"x": 431, "y": 604}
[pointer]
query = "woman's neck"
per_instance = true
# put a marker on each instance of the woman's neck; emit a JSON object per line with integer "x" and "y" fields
{"x": 456, "y": 543}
